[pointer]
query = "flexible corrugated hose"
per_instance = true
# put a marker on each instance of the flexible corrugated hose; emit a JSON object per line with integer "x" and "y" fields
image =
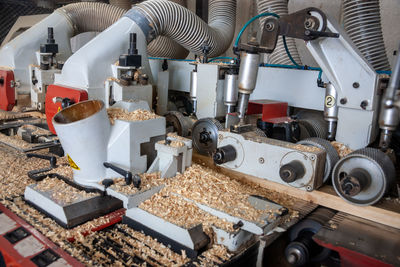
{"x": 279, "y": 55}
{"x": 124, "y": 4}
{"x": 88, "y": 16}
{"x": 160, "y": 17}
{"x": 91, "y": 17}
{"x": 165, "y": 47}
{"x": 362, "y": 22}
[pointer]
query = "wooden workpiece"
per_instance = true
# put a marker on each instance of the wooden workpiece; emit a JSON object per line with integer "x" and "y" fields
{"x": 385, "y": 212}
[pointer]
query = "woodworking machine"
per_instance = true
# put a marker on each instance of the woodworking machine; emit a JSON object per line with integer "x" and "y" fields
{"x": 259, "y": 118}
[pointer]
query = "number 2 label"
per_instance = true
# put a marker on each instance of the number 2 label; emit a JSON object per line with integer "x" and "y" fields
{"x": 329, "y": 101}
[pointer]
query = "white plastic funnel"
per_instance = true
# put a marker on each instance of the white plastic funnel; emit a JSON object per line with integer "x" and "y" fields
{"x": 84, "y": 130}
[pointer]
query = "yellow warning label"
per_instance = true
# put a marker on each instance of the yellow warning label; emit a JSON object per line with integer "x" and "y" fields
{"x": 59, "y": 109}
{"x": 72, "y": 163}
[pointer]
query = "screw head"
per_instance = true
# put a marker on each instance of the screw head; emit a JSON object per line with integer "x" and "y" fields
{"x": 364, "y": 104}
{"x": 261, "y": 160}
{"x": 309, "y": 23}
{"x": 356, "y": 85}
{"x": 309, "y": 188}
{"x": 269, "y": 26}
{"x": 343, "y": 101}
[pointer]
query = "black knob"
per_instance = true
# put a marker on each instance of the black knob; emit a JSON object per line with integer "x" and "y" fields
{"x": 224, "y": 154}
{"x": 136, "y": 180}
{"x": 107, "y": 182}
{"x": 132, "y": 44}
{"x": 292, "y": 171}
{"x": 50, "y": 35}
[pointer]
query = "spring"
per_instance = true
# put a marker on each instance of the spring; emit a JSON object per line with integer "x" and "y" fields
{"x": 362, "y": 22}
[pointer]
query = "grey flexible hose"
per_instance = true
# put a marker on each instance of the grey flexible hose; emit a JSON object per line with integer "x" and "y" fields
{"x": 91, "y": 17}
{"x": 160, "y": 17}
{"x": 279, "y": 55}
{"x": 124, "y": 4}
{"x": 362, "y": 22}
{"x": 87, "y": 16}
{"x": 161, "y": 46}
{"x": 165, "y": 47}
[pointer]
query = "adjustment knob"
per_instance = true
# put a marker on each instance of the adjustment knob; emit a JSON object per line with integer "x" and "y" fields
{"x": 292, "y": 171}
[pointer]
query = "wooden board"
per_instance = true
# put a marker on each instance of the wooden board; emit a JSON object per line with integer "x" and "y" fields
{"x": 385, "y": 212}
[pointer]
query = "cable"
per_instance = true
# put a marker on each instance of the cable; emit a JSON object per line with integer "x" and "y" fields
{"x": 250, "y": 21}
{"x": 160, "y": 58}
{"x": 221, "y": 58}
{"x": 287, "y": 51}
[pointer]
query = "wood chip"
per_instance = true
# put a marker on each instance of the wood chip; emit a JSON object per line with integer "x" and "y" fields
{"x": 342, "y": 149}
{"x": 148, "y": 180}
{"x": 173, "y": 143}
{"x": 136, "y": 115}
{"x": 15, "y": 141}
{"x": 61, "y": 192}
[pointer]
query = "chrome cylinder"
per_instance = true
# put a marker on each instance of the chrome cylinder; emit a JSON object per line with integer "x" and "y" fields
{"x": 242, "y": 105}
{"x": 248, "y": 72}
{"x": 390, "y": 114}
{"x": 331, "y": 110}
{"x": 230, "y": 91}
{"x": 193, "y": 89}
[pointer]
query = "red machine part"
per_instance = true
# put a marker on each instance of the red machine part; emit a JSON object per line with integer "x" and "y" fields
{"x": 349, "y": 258}
{"x": 268, "y": 108}
{"x": 52, "y": 108}
{"x": 360, "y": 242}
{"x": 22, "y": 245}
{"x": 7, "y": 89}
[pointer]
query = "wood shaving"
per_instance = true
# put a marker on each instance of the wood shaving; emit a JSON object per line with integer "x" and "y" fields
{"x": 36, "y": 130}
{"x": 304, "y": 148}
{"x": 14, "y": 166}
{"x": 173, "y": 143}
{"x": 6, "y": 115}
{"x": 61, "y": 192}
{"x": 217, "y": 254}
{"x": 183, "y": 213}
{"x": 132, "y": 243}
{"x": 342, "y": 149}
{"x": 221, "y": 192}
{"x": 177, "y": 137}
{"x": 15, "y": 141}
{"x": 148, "y": 180}
{"x": 136, "y": 115}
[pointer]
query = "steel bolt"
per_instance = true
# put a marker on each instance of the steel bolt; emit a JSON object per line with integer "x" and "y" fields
{"x": 269, "y": 26}
{"x": 356, "y": 85}
{"x": 364, "y": 104}
{"x": 261, "y": 160}
{"x": 309, "y": 23}
{"x": 343, "y": 101}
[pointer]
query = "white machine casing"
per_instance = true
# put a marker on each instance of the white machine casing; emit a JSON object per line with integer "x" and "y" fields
{"x": 92, "y": 140}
